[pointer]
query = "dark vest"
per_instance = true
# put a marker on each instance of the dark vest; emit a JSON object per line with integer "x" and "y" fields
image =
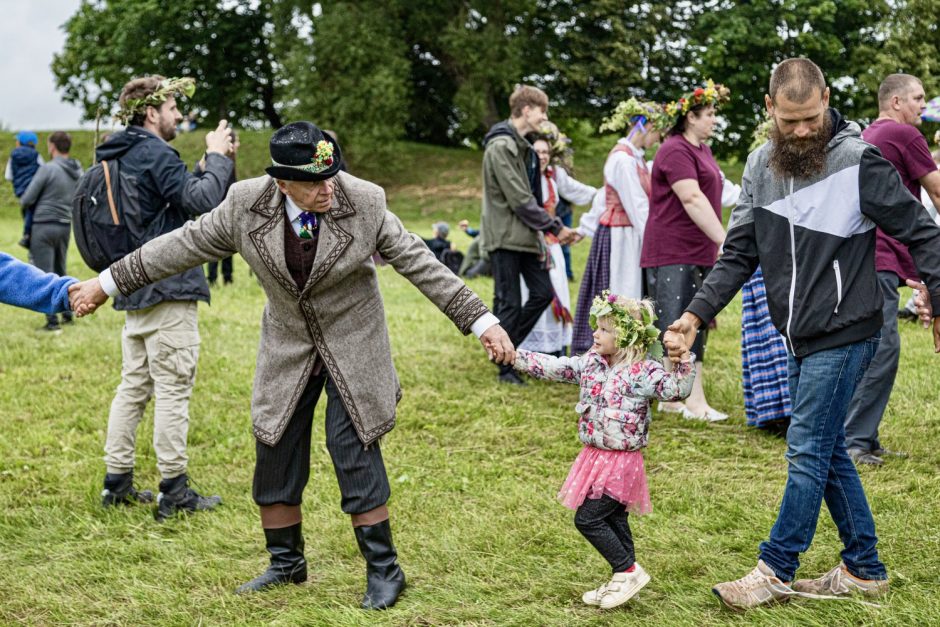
{"x": 299, "y": 254}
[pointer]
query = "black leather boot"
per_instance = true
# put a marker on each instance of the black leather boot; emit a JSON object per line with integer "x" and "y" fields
{"x": 286, "y": 546}
{"x": 384, "y": 577}
{"x": 119, "y": 490}
{"x": 176, "y": 496}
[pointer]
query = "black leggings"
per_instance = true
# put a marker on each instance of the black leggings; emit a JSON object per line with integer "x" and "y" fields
{"x": 604, "y": 523}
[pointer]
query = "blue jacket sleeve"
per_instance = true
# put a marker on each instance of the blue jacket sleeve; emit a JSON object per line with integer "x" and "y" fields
{"x": 23, "y": 285}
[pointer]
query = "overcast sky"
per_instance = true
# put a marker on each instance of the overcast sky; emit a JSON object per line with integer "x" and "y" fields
{"x": 30, "y": 33}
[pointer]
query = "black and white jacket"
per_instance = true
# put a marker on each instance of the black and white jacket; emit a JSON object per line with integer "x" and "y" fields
{"x": 815, "y": 242}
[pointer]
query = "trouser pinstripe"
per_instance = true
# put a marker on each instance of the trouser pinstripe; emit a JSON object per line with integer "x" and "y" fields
{"x": 282, "y": 470}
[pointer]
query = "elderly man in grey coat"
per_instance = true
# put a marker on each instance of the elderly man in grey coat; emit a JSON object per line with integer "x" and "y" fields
{"x": 309, "y": 232}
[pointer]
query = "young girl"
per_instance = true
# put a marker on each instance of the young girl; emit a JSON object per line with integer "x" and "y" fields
{"x": 618, "y": 380}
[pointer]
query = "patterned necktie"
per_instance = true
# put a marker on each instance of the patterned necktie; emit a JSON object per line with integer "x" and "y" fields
{"x": 308, "y": 224}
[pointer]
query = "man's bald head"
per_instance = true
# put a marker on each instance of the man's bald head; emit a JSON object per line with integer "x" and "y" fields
{"x": 798, "y": 80}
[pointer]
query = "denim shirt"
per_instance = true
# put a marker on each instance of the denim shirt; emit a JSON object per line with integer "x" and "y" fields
{"x": 614, "y": 405}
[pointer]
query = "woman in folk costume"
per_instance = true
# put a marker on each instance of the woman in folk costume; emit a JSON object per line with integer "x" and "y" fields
{"x": 763, "y": 351}
{"x": 618, "y": 215}
{"x": 552, "y": 333}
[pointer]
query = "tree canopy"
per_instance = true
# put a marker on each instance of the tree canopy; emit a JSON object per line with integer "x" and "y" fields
{"x": 441, "y": 71}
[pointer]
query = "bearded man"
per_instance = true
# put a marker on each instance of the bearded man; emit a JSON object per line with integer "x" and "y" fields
{"x": 308, "y": 231}
{"x": 810, "y": 201}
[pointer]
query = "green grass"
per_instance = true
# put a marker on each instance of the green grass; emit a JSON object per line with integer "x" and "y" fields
{"x": 474, "y": 470}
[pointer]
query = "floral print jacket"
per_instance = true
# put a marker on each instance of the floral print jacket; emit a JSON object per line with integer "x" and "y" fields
{"x": 614, "y": 407}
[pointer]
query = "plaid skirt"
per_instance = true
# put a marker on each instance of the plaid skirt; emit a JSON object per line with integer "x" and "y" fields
{"x": 763, "y": 359}
{"x": 595, "y": 280}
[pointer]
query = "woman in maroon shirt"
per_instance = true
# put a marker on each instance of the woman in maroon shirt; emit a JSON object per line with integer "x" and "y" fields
{"x": 684, "y": 229}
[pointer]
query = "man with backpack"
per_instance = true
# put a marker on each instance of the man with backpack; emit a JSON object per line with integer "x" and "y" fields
{"x": 160, "y": 341}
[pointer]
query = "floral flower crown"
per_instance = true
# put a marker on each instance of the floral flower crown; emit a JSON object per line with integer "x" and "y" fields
{"x": 711, "y": 93}
{"x": 643, "y": 111}
{"x": 168, "y": 87}
{"x": 559, "y": 144}
{"x": 322, "y": 159}
{"x": 632, "y": 332}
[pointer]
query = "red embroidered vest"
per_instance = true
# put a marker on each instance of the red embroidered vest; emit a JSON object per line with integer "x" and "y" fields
{"x": 615, "y": 214}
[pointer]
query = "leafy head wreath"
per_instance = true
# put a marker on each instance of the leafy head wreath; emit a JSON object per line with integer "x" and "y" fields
{"x": 632, "y": 321}
{"x": 761, "y": 133}
{"x": 559, "y": 144}
{"x": 168, "y": 87}
{"x": 639, "y": 113}
{"x": 710, "y": 94}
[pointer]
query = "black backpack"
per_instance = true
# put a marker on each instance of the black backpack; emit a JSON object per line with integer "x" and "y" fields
{"x": 103, "y": 210}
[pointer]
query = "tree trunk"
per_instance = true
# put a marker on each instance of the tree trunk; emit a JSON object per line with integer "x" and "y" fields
{"x": 267, "y": 99}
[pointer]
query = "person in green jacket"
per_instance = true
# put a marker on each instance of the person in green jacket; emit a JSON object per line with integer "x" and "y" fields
{"x": 514, "y": 219}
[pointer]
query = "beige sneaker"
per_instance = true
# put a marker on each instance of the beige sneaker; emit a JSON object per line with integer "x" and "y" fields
{"x": 623, "y": 587}
{"x": 593, "y": 597}
{"x": 840, "y": 582}
{"x": 759, "y": 587}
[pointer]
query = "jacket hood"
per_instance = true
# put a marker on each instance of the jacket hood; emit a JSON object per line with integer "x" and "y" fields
{"x": 842, "y": 129}
{"x": 70, "y": 166}
{"x": 498, "y": 129}
{"x": 121, "y": 142}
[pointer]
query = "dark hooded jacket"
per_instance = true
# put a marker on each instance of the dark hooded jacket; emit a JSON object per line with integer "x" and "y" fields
{"x": 815, "y": 242}
{"x": 24, "y": 162}
{"x": 50, "y": 192}
{"x": 169, "y": 195}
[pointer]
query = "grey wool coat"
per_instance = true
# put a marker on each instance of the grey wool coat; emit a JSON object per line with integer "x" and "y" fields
{"x": 339, "y": 313}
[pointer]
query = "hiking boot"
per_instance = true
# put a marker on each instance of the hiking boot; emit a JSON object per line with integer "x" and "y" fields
{"x": 286, "y": 546}
{"x": 52, "y": 326}
{"x": 24, "y": 242}
{"x": 759, "y": 587}
{"x": 623, "y": 586}
{"x": 67, "y": 317}
{"x": 866, "y": 458}
{"x": 384, "y": 577}
{"x": 840, "y": 582}
{"x": 176, "y": 496}
{"x": 119, "y": 490}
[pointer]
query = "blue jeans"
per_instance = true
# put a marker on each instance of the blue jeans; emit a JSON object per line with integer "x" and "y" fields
{"x": 821, "y": 387}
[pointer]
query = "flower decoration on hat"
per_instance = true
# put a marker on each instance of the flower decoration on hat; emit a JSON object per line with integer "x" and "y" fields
{"x": 184, "y": 86}
{"x": 711, "y": 94}
{"x": 637, "y": 112}
{"x": 632, "y": 331}
{"x": 559, "y": 144}
{"x": 321, "y": 161}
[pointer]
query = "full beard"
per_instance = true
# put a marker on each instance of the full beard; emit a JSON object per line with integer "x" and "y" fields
{"x": 799, "y": 157}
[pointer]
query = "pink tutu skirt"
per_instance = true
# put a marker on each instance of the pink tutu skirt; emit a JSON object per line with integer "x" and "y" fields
{"x": 620, "y": 475}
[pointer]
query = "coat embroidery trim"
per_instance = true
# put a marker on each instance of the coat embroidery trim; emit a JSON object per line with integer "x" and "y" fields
{"x": 258, "y": 239}
{"x": 464, "y": 309}
{"x": 129, "y": 274}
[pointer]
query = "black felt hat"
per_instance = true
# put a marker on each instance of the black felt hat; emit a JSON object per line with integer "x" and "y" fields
{"x": 301, "y": 151}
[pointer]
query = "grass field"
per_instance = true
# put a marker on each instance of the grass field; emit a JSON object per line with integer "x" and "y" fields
{"x": 474, "y": 470}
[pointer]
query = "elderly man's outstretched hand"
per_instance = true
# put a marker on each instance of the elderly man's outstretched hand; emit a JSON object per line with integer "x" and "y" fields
{"x": 85, "y": 297}
{"x": 498, "y": 346}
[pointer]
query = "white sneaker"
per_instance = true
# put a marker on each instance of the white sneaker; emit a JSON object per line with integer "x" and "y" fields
{"x": 593, "y": 597}
{"x": 623, "y": 587}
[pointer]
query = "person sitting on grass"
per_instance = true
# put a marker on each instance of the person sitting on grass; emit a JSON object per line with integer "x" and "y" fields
{"x": 619, "y": 376}
{"x": 24, "y": 285}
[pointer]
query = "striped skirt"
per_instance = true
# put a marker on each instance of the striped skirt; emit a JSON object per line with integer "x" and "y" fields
{"x": 763, "y": 359}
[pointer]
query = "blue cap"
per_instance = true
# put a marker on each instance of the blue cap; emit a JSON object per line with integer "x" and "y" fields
{"x": 27, "y": 137}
